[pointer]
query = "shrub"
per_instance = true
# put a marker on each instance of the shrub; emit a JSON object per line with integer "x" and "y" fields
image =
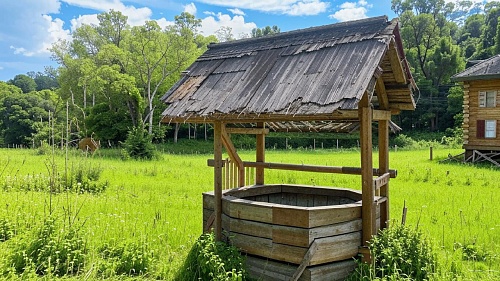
{"x": 50, "y": 251}
{"x": 398, "y": 253}
{"x": 212, "y": 260}
{"x": 138, "y": 145}
{"x": 125, "y": 259}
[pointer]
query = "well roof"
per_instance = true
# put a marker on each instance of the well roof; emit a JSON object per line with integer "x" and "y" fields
{"x": 303, "y": 75}
{"x": 484, "y": 70}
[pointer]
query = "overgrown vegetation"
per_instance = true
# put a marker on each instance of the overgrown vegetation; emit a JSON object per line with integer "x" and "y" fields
{"x": 138, "y": 145}
{"x": 150, "y": 211}
{"x": 212, "y": 260}
{"x": 398, "y": 253}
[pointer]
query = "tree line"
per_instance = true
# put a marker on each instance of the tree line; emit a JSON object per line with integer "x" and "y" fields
{"x": 111, "y": 75}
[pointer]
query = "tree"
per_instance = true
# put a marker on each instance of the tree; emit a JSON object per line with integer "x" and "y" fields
{"x": 24, "y": 82}
{"x": 20, "y": 114}
{"x": 224, "y": 34}
{"x": 257, "y": 32}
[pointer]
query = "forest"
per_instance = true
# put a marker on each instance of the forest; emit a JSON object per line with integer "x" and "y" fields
{"x": 110, "y": 76}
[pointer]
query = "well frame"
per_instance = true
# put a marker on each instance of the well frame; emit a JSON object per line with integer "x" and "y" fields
{"x": 253, "y": 85}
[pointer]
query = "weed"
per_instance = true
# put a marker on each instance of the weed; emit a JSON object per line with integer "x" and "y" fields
{"x": 6, "y": 230}
{"x": 50, "y": 250}
{"x": 125, "y": 259}
{"x": 212, "y": 260}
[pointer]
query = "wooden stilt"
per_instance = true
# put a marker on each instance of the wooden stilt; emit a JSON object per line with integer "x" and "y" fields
{"x": 218, "y": 180}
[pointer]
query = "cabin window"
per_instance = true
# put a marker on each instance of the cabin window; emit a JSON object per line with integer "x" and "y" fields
{"x": 486, "y": 129}
{"x": 487, "y": 99}
{"x": 490, "y": 129}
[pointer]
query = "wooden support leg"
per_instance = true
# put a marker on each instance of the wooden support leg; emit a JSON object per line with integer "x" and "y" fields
{"x": 383, "y": 165}
{"x": 260, "y": 157}
{"x": 218, "y": 180}
{"x": 368, "y": 196}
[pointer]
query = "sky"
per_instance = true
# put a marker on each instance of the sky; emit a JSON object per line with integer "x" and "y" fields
{"x": 28, "y": 28}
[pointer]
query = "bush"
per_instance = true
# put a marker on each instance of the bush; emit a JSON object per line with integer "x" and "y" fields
{"x": 138, "y": 145}
{"x": 50, "y": 251}
{"x": 125, "y": 259}
{"x": 212, "y": 260}
{"x": 398, "y": 253}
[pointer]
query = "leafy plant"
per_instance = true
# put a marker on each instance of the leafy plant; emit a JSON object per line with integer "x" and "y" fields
{"x": 50, "y": 250}
{"x": 398, "y": 253}
{"x": 212, "y": 260}
{"x": 6, "y": 230}
{"x": 138, "y": 145}
{"x": 125, "y": 259}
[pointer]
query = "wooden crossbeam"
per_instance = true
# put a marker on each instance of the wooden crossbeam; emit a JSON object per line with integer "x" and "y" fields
{"x": 248, "y": 131}
{"x": 305, "y": 261}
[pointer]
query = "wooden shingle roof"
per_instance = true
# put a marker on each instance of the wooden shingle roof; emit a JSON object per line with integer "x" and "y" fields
{"x": 486, "y": 69}
{"x": 303, "y": 75}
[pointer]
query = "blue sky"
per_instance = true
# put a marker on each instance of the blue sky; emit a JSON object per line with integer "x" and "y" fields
{"x": 29, "y": 27}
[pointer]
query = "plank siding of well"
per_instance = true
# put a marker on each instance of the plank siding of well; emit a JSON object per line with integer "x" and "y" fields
{"x": 473, "y": 113}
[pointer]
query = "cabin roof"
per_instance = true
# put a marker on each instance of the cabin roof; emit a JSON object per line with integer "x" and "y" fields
{"x": 483, "y": 70}
{"x": 305, "y": 75}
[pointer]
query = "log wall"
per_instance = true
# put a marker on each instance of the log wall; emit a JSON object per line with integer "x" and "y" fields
{"x": 472, "y": 113}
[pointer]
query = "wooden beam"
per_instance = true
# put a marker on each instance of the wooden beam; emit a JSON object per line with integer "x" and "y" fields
{"x": 306, "y": 261}
{"x": 231, "y": 150}
{"x": 397, "y": 67}
{"x": 382, "y": 94}
{"x": 260, "y": 155}
{"x": 248, "y": 131}
{"x": 383, "y": 166}
{"x": 368, "y": 196}
{"x": 402, "y": 106}
{"x": 218, "y": 180}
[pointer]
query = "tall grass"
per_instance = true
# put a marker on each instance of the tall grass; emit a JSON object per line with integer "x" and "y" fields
{"x": 158, "y": 204}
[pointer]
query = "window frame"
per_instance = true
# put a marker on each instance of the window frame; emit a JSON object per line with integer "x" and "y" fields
{"x": 492, "y": 131}
{"x": 485, "y": 96}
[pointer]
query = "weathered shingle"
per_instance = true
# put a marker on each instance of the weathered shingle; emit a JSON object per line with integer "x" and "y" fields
{"x": 299, "y": 73}
{"x": 487, "y": 69}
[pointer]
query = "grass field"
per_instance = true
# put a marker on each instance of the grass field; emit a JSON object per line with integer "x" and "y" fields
{"x": 158, "y": 203}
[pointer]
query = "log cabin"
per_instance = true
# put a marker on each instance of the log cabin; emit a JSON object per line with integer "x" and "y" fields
{"x": 336, "y": 78}
{"x": 481, "y": 110}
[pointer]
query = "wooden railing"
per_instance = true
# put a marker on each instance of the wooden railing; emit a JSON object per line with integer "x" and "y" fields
{"x": 231, "y": 175}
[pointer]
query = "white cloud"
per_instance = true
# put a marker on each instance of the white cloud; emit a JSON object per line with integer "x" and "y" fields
{"x": 289, "y": 7}
{"x": 83, "y": 19}
{"x": 190, "y": 8}
{"x": 28, "y": 29}
{"x": 237, "y": 12}
{"x": 239, "y": 27}
{"x": 351, "y": 11}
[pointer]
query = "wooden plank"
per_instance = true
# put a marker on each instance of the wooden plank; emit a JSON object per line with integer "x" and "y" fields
{"x": 218, "y": 180}
{"x": 381, "y": 94}
{"x": 244, "y": 209}
{"x": 320, "y": 200}
{"x": 397, "y": 67}
{"x": 312, "y": 168}
{"x": 305, "y": 262}
{"x": 367, "y": 170}
{"x": 337, "y": 248}
{"x": 231, "y": 150}
{"x": 381, "y": 181}
{"x": 336, "y": 271}
{"x": 290, "y": 216}
{"x": 320, "y": 216}
{"x": 267, "y": 270}
{"x": 248, "y": 131}
{"x": 247, "y": 227}
{"x": 247, "y": 191}
{"x": 383, "y": 165}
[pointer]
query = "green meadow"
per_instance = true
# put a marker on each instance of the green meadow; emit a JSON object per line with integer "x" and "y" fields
{"x": 157, "y": 205}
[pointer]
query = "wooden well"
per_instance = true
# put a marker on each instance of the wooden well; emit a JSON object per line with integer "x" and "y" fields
{"x": 336, "y": 78}
{"x": 278, "y": 225}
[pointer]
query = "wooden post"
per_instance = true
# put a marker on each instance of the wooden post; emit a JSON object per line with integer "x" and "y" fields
{"x": 260, "y": 157}
{"x": 430, "y": 153}
{"x": 368, "y": 206}
{"x": 383, "y": 166}
{"x": 218, "y": 180}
